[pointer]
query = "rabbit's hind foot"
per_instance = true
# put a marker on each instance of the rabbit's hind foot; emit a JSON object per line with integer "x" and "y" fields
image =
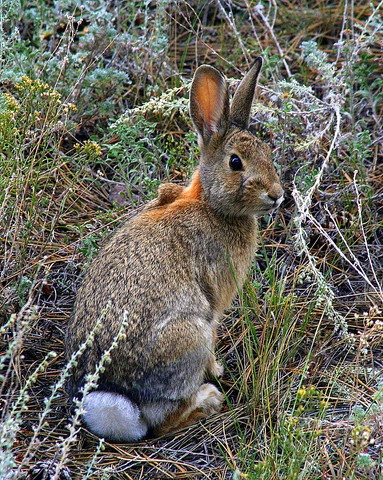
{"x": 114, "y": 417}
{"x": 205, "y": 402}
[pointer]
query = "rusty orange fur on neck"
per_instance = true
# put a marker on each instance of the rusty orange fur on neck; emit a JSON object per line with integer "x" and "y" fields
{"x": 193, "y": 190}
{"x": 189, "y": 194}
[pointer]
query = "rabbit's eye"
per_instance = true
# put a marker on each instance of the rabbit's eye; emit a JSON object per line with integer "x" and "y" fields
{"x": 235, "y": 163}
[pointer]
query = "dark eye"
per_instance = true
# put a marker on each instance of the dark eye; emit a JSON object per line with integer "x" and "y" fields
{"x": 235, "y": 163}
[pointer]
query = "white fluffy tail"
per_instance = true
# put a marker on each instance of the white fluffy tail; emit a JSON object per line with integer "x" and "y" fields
{"x": 114, "y": 417}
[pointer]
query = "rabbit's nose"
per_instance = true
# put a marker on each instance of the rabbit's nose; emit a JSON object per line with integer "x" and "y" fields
{"x": 276, "y": 193}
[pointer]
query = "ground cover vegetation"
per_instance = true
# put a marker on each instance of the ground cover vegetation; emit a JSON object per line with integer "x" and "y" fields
{"x": 93, "y": 116}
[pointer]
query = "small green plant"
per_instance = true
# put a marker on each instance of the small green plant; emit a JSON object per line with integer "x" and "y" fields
{"x": 89, "y": 246}
{"x": 29, "y": 118}
{"x": 89, "y": 151}
{"x": 365, "y": 426}
{"x": 135, "y": 158}
{"x": 23, "y": 289}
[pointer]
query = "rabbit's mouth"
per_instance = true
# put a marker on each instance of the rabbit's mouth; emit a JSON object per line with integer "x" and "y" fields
{"x": 259, "y": 209}
{"x": 256, "y": 205}
{"x": 264, "y": 211}
{"x": 268, "y": 203}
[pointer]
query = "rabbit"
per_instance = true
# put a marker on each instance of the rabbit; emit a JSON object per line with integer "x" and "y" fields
{"x": 171, "y": 272}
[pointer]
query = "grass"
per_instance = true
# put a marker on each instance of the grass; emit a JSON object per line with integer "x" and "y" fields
{"x": 93, "y": 116}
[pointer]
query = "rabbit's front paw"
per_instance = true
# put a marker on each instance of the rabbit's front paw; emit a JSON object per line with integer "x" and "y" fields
{"x": 209, "y": 399}
{"x": 215, "y": 368}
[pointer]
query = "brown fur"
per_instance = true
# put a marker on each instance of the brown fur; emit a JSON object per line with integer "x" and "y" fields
{"x": 174, "y": 268}
{"x": 190, "y": 411}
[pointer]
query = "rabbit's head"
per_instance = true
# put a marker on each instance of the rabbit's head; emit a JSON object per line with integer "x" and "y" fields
{"x": 236, "y": 171}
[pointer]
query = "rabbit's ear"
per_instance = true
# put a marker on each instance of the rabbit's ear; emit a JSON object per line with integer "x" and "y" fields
{"x": 244, "y": 96}
{"x": 209, "y": 102}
